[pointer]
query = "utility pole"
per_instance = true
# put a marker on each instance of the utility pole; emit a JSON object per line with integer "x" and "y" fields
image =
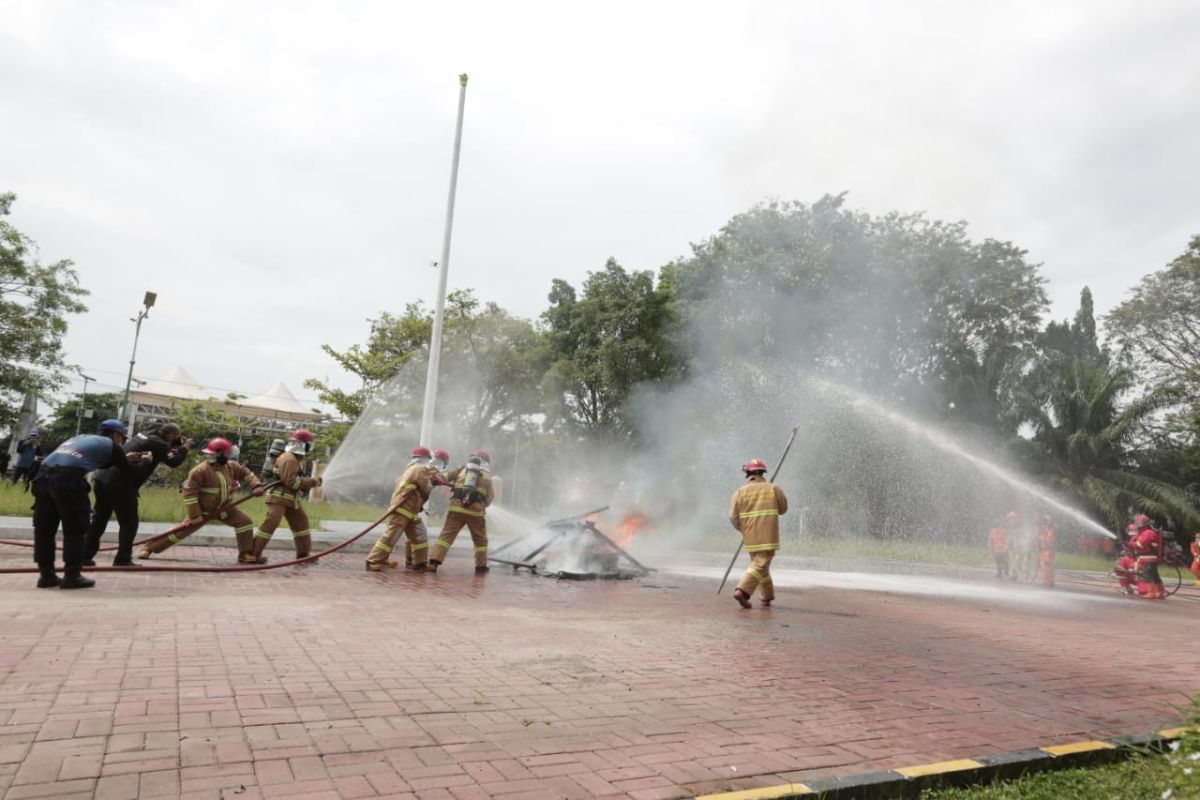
{"x": 435, "y": 342}
{"x": 147, "y": 303}
{"x": 82, "y": 403}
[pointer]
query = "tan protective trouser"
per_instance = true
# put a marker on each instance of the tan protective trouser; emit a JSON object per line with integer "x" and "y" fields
{"x": 243, "y": 528}
{"x": 758, "y": 576}
{"x": 297, "y": 520}
{"x": 413, "y": 529}
{"x": 456, "y": 518}
{"x": 423, "y": 534}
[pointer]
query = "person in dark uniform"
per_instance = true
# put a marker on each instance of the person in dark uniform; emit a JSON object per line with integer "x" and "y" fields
{"x": 118, "y": 492}
{"x": 60, "y": 494}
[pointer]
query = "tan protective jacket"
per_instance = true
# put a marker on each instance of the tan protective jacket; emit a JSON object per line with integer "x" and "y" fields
{"x": 412, "y": 490}
{"x": 458, "y": 479}
{"x": 754, "y": 510}
{"x": 208, "y": 486}
{"x": 291, "y": 483}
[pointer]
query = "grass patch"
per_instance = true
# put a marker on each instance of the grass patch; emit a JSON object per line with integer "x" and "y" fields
{"x": 1139, "y": 778}
{"x": 163, "y": 504}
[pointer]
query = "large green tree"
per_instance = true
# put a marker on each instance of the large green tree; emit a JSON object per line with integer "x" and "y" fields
{"x": 906, "y": 307}
{"x": 67, "y": 417}
{"x": 35, "y": 300}
{"x": 605, "y": 342}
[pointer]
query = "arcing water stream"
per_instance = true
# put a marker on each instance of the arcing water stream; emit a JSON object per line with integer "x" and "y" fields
{"x": 948, "y": 445}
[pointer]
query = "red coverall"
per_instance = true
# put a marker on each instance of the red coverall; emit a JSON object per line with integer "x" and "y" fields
{"x": 1147, "y": 547}
{"x": 1196, "y": 558}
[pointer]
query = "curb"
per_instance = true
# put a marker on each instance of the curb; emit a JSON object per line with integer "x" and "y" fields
{"x": 908, "y": 782}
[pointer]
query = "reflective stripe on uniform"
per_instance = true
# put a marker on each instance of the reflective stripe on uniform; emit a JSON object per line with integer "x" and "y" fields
{"x": 761, "y": 548}
{"x": 261, "y": 534}
{"x": 404, "y": 512}
{"x": 382, "y": 545}
{"x": 443, "y": 543}
{"x": 770, "y": 512}
{"x": 755, "y": 573}
{"x": 210, "y": 489}
{"x": 224, "y": 486}
{"x": 305, "y": 532}
{"x": 407, "y": 485}
{"x": 421, "y": 546}
{"x": 191, "y": 501}
{"x": 244, "y": 529}
{"x": 173, "y": 539}
{"x": 466, "y": 511}
{"x": 481, "y": 549}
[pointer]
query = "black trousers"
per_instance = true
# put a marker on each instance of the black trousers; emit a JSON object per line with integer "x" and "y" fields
{"x": 60, "y": 496}
{"x": 120, "y": 498}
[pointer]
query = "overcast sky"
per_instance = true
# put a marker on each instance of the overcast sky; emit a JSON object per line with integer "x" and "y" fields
{"x": 277, "y": 172}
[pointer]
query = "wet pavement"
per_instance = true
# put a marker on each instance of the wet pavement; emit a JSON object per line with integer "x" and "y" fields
{"x": 328, "y": 681}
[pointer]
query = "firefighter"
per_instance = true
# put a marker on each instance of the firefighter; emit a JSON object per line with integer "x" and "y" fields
{"x": 1045, "y": 544}
{"x": 28, "y": 451}
{"x": 283, "y": 500}
{"x": 1127, "y": 565}
{"x": 1147, "y": 547}
{"x": 412, "y": 490}
{"x": 117, "y": 492}
{"x": 998, "y": 541}
{"x": 60, "y": 494}
{"x": 469, "y": 499}
{"x": 441, "y": 460}
{"x": 1196, "y": 559}
{"x": 207, "y": 488}
{"x": 754, "y": 510}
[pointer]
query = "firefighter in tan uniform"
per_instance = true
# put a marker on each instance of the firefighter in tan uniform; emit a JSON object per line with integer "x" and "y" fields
{"x": 207, "y": 488}
{"x": 283, "y": 500}
{"x": 441, "y": 460}
{"x": 754, "y": 510}
{"x": 412, "y": 490}
{"x": 471, "y": 495}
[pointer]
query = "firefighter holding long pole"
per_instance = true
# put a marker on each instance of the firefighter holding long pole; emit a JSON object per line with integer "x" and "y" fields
{"x": 754, "y": 510}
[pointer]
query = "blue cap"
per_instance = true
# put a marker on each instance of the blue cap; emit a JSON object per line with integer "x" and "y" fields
{"x": 112, "y": 426}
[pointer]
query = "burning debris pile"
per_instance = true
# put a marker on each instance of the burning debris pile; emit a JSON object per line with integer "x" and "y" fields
{"x": 573, "y": 548}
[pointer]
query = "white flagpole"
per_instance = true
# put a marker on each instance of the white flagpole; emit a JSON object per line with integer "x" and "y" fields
{"x": 435, "y": 343}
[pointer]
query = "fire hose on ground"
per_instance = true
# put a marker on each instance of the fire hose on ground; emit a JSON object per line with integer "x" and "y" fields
{"x": 222, "y": 568}
{"x": 774, "y": 474}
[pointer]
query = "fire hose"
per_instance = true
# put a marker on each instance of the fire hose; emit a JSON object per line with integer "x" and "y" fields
{"x": 189, "y": 525}
{"x": 778, "y": 467}
{"x": 238, "y": 568}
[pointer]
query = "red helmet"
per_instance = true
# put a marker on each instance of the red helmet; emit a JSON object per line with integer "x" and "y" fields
{"x": 441, "y": 455}
{"x": 754, "y": 465}
{"x": 302, "y": 435}
{"x": 1141, "y": 520}
{"x": 421, "y": 451}
{"x": 218, "y": 447}
{"x": 482, "y": 455}
{"x": 1012, "y": 515}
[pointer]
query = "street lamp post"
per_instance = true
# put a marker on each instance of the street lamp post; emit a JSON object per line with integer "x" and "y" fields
{"x": 82, "y": 403}
{"x": 147, "y": 304}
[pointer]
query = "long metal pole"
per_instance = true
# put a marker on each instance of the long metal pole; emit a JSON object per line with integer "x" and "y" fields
{"x": 435, "y": 342}
{"x": 82, "y": 403}
{"x": 774, "y": 475}
{"x": 137, "y": 332}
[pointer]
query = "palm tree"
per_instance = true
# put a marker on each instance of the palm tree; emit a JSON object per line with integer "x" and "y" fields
{"x": 1087, "y": 443}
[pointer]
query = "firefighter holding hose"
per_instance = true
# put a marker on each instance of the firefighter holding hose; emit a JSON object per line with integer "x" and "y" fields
{"x": 441, "y": 460}
{"x": 283, "y": 500}
{"x": 754, "y": 510}
{"x": 412, "y": 490}
{"x": 1147, "y": 546}
{"x": 470, "y": 497}
{"x": 207, "y": 488}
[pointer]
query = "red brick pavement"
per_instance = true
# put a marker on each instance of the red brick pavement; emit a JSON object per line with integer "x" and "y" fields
{"x": 327, "y": 681}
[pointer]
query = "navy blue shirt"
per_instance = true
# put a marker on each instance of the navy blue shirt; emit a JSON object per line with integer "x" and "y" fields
{"x": 88, "y": 452}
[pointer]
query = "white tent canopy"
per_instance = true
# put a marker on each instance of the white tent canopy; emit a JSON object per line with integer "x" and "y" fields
{"x": 156, "y": 398}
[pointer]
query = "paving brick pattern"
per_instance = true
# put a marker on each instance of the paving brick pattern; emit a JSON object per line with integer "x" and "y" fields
{"x": 330, "y": 682}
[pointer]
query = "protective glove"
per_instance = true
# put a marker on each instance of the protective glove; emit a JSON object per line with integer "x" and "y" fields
{"x": 258, "y": 491}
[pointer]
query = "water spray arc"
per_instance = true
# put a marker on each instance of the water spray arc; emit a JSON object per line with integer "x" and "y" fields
{"x": 778, "y": 467}
{"x": 435, "y": 341}
{"x": 948, "y": 445}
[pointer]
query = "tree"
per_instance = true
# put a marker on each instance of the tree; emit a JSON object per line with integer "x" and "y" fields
{"x": 906, "y": 307}
{"x": 1089, "y": 445}
{"x": 65, "y": 418}
{"x": 1158, "y": 326}
{"x": 35, "y": 300}
{"x": 605, "y": 343}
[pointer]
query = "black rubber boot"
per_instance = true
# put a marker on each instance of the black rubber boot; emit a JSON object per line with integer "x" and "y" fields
{"x": 742, "y": 598}
{"x": 125, "y": 562}
{"x": 483, "y": 569}
{"x": 73, "y": 579}
{"x": 91, "y": 562}
{"x": 48, "y": 580}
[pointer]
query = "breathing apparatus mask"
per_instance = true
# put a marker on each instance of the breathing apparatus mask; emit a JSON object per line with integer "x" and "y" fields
{"x": 278, "y": 447}
{"x": 297, "y": 448}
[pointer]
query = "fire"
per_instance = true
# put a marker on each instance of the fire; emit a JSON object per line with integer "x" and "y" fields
{"x": 628, "y": 528}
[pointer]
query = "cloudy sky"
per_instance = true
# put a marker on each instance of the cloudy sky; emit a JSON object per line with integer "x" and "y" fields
{"x": 277, "y": 172}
